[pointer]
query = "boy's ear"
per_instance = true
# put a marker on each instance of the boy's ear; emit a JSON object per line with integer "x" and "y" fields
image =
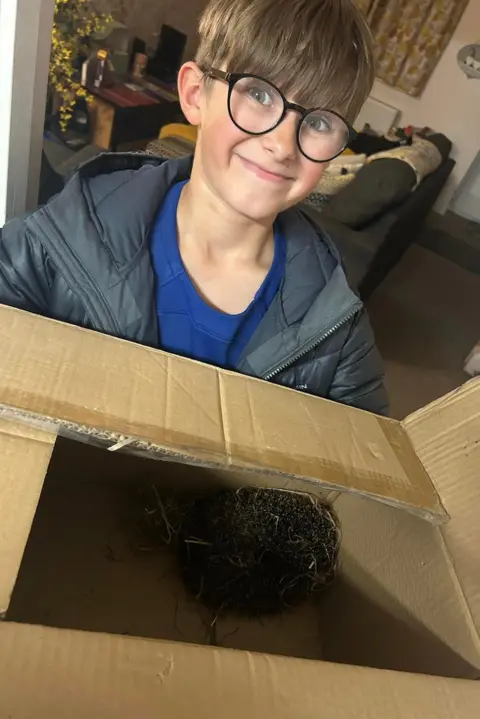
{"x": 190, "y": 87}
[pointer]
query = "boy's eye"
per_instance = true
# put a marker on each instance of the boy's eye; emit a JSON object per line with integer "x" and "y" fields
{"x": 261, "y": 95}
{"x": 318, "y": 123}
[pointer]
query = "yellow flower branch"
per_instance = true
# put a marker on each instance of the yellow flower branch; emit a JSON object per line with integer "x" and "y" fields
{"x": 74, "y": 22}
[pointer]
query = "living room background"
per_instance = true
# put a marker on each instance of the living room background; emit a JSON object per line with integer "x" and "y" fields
{"x": 144, "y": 18}
{"x": 410, "y": 37}
{"x": 450, "y": 102}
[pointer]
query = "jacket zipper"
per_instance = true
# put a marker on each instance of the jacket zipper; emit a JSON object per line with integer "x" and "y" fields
{"x": 313, "y": 345}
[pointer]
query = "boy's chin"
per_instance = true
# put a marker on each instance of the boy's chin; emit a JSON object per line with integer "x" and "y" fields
{"x": 259, "y": 213}
{"x": 256, "y": 207}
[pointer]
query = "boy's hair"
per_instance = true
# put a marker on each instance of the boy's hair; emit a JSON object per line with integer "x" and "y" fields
{"x": 317, "y": 51}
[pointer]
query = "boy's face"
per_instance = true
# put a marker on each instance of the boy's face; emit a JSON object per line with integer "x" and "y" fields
{"x": 257, "y": 176}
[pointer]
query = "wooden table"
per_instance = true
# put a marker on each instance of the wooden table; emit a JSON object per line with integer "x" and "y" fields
{"x": 121, "y": 115}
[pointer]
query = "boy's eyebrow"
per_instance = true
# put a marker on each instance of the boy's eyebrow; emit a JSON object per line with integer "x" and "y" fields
{"x": 317, "y": 52}
{"x": 337, "y": 92}
{"x": 325, "y": 102}
{"x": 307, "y": 102}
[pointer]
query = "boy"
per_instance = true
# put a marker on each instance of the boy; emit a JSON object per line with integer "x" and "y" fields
{"x": 209, "y": 260}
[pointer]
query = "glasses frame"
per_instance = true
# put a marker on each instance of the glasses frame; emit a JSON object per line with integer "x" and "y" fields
{"x": 231, "y": 78}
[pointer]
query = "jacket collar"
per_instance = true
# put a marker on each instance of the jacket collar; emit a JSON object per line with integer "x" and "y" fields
{"x": 314, "y": 299}
{"x": 314, "y": 296}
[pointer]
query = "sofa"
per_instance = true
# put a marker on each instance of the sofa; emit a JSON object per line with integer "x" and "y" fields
{"x": 370, "y": 252}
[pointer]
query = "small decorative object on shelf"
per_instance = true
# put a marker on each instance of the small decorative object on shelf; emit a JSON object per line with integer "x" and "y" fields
{"x": 75, "y": 21}
{"x": 102, "y": 57}
{"x": 140, "y": 63}
{"x": 468, "y": 60}
{"x": 472, "y": 363}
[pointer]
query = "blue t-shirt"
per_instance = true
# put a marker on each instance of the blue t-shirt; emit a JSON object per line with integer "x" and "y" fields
{"x": 188, "y": 325}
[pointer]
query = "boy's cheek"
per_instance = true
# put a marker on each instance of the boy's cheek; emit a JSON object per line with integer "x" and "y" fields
{"x": 219, "y": 138}
{"x": 308, "y": 177}
{"x": 312, "y": 174}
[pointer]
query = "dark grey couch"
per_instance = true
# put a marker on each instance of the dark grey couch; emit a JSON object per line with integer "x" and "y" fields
{"x": 370, "y": 253}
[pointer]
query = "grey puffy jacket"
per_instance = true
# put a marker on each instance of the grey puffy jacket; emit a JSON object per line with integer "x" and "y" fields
{"x": 84, "y": 258}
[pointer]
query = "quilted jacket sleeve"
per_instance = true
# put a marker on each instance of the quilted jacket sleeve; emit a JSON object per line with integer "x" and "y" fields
{"x": 25, "y": 271}
{"x": 358, "y": 380}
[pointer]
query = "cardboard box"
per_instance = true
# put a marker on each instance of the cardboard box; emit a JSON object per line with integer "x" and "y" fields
{"x": 396, "y": 637}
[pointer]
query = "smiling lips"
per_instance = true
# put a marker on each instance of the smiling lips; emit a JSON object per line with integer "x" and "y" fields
{"x": 263, "y": 173}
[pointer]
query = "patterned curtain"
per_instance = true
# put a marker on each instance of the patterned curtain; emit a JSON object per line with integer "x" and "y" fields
{"x": 410, "y": 37}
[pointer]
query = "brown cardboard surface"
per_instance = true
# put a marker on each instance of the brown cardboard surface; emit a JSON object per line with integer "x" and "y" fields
{"x": 24, "y": 456}
{"x": 446, "y": 436}
{"x": 117, "y": 390}
{"x": 398, "y": 596}
{"x": 86, "y": 566}
{"x": 47, "y": 673}
{"x": 400, "y": 603}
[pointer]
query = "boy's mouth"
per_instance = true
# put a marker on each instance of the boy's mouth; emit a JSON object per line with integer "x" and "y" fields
{"x": 263, "y": 173}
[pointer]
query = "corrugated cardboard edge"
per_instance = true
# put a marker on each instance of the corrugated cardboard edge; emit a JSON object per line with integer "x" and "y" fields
{"x": 47, "y": 673}
{"x": 54, "y": 370}
{"x": 462, "y": 592}
{"x": 24, "y": 457}
{"x": 399, "y": 565}
{"x": 446, "y": 437}
{"x": 114, "y": 441}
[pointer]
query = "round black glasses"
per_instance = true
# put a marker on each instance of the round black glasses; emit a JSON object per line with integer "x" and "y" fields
{"x": 256, "y": 107}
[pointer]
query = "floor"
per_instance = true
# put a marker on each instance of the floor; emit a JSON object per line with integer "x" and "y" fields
{"x": 426, "y": 320}
{"x": 458, "y": 226}
{"x": 453, "y": 237}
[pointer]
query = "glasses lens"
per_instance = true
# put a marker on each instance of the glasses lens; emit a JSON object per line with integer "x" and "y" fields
{"x": 255, "y": 105}
{"x": 323, "y": 135}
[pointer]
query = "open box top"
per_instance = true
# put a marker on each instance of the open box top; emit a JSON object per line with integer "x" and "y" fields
{"x": 132, "y": 397}
{"x": 56, "y": 379}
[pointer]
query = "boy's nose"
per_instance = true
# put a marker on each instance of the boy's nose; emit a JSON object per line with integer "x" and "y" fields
{"x": 282, "y": 141}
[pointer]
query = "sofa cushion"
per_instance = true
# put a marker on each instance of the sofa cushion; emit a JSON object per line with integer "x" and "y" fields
{"x": 422, "y": 156}
{"x": 378, "y": 186}
{"x": 442, "y": 143}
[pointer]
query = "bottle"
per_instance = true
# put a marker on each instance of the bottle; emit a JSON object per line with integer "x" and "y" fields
{"x": 100, "y": 69}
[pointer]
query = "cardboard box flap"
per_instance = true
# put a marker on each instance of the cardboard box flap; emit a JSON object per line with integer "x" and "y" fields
{"x": 47, "y": 673}
{"x": 125, "y": 393}
{"x": 446, "y": 437}
{"x": 25, "y": 453}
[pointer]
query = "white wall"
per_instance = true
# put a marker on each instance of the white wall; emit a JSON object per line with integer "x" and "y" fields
{"x": 7, "y": 38}
{"x": 25, "y": 37}
{"x": 450, "y": 103}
